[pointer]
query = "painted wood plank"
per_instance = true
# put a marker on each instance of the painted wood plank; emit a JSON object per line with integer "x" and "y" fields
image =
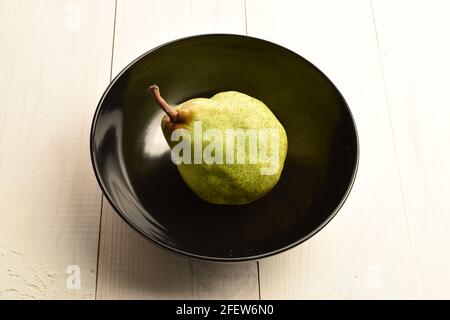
{"x": 130, "y": 266}
{"x": 365, "y": 251}
{"x": 415, "y": 49}
{"x": 54, "y": 62}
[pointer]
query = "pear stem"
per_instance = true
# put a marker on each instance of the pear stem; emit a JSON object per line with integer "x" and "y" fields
{"x": 169, "y": 110}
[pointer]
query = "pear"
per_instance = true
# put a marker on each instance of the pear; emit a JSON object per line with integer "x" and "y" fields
{"x": 229, "y": 149}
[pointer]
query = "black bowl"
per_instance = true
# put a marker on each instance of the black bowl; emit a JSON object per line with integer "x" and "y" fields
{"x": 132, "y": 160}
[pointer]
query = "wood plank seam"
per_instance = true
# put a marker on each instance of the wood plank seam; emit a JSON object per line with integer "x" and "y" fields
{"x": 245, "y": 15}
{"x": 98, "y": 247}
{"x": 259, "y": 280}
{"x": 405, "y": 213}
{"x": 102, "y": 196}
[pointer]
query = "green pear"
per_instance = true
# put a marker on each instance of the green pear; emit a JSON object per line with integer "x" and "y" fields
{"x": 229, "y": 149}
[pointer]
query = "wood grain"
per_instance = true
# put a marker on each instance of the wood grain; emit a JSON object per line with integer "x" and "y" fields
{"x": 365, "y": 252}
{"x": 390, "y": 61}
{"x": 131, "y": 267}
{"x": 415, "y": 49}
{"x": 54, "y": 63}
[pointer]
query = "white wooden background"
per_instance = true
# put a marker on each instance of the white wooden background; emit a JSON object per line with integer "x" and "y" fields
{"x": 391, "y": 61}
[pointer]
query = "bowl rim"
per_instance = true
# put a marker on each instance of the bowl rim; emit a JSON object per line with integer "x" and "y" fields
{"x": 198, "y": 256}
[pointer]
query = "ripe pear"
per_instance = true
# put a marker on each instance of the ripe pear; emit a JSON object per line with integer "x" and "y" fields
{"x": 229, "y": 149}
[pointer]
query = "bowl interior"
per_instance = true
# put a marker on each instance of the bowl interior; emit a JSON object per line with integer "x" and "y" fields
{"x": 132, "y": 160}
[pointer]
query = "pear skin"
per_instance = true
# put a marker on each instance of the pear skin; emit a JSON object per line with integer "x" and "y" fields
{"x": 241, "y": 143}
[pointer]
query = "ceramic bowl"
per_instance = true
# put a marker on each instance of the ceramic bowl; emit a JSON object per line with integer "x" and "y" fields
{"x": 132, "y": 161}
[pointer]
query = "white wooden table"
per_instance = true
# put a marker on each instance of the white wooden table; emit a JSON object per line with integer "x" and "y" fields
{"x": 391, "y": 61}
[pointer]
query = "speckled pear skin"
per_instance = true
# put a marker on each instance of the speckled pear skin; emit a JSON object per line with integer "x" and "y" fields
{"x": 229, "y": 184}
